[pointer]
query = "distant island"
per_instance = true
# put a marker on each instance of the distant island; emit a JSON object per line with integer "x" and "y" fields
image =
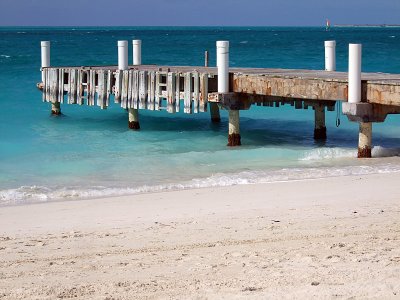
{"x": 367, "y": 25}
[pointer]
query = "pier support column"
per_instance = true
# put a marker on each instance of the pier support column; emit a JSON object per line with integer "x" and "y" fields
{"x": 214, "y": 112}
{"x": 214, "y": 109}
{"x": 365, "y": 140}
{"x": 319, "y": 128}
{"x": 133, "y": 121}
{"x": 55, "y": 109}
{"x": 133, "y": 114}
{"x": 354, "y": 98}
{"x": 234, "y": 129}
{"x": 223, "y": 88}
{"x": 45, "y": 63}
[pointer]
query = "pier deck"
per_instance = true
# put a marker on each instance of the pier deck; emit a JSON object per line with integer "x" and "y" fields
{"x": 252, "y": 85}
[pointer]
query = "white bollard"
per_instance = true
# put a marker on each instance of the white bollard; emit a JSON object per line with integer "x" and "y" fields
{"x": 45, "y": 51}
{"x": 223, "y": 66}
{"x": 354, "y": 73}
{"x": 137, "y": 52}
{"x": 330, "y": 55}
{"x": 122, "y": 55}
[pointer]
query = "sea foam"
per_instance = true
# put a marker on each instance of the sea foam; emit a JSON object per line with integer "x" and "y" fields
{"x": 337, "y": 153}
{"x": 38, "y": 194}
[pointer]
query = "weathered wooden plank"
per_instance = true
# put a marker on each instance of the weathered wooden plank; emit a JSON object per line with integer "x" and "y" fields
{"x": 79, "y": 88}
{"x": 91, "y": 87}
{"x": 196, "y": 92}
{"x": 143, "y": 78}
{"x": 204, "y": 92}
{"x": 74, "y": 77}
{"x": 135, "y": 89}
{"x": 48, "y": 85}
{"x": 157, "y": 90}
{"x": 45, "y": 83}
{"x": 101, "y": 89}
{"x": 54, "y": 86}
{"x": 124, "y": 90}
{"x": 178, "y": 92}
{"x": 60, "y": 97}
{"x": 118, "y": 86}
{"x": 109, "y": 87}
{"x": 130, "y": 83}
{"x": 69, "y": 84}
{"x": 151, "y": 90}
{"x": 188, "y": 93}
{"x": 171, "y": 92}
{"x": 86, "y": 87}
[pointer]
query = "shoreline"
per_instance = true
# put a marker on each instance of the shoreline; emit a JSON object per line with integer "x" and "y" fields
{"x": 330, "y": 237}
{"x": 39, "y": 194}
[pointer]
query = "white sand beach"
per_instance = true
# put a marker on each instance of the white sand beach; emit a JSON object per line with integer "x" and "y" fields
{"x": 325, "y": 238}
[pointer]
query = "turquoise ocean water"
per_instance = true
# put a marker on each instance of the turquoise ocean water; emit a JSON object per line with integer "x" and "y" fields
{"x": 90, "y": 152}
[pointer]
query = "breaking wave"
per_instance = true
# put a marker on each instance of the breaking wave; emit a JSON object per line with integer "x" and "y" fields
{"x": 37, "y": 194}
{"x": 336, "y": 153}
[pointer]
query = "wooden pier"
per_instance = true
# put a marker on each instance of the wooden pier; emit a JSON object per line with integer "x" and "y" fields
{"x": 367, "y": 98}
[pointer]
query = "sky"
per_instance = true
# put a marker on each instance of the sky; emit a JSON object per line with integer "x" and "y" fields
{"x": 197, "y": 12}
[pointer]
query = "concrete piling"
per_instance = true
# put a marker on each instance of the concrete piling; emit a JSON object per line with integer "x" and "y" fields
{"x": 365, "y": 140}
{"x": 234, "y": 129}
{"x": 319, "y": 110}
{"x": 45, "y": 63}
{"x": 133, "y": 119}
{"x": 214, "y": 112}
{"x": 319, "y": 128}
{"x": 223, "y": 87}
{"x": 354, "y": 98}
{"x": 55, "y": 109}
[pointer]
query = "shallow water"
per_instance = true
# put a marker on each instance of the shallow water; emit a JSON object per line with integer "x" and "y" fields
{"x": 90, "y": 152}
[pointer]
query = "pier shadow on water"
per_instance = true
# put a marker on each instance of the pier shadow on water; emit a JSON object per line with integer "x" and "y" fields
{"x": 255, "y": 132}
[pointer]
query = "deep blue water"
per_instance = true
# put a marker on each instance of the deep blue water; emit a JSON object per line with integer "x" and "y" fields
{"x": 90, "y": 152}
